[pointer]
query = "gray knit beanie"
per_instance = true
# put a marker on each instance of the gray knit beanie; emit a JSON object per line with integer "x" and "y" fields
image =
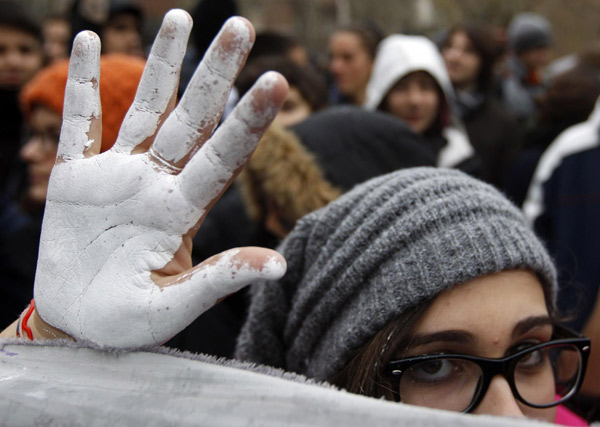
{"x": 528, "y": 31}
{"x": 382, "y": 248}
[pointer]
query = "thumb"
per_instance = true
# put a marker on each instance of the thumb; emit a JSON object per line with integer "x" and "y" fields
{"x": 177, "y": 305}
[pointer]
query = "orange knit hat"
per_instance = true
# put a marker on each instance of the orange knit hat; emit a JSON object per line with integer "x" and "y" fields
{"x": 119, "y": 78}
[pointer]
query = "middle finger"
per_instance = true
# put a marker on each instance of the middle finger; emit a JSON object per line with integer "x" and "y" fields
{"x": 198, "y": 113}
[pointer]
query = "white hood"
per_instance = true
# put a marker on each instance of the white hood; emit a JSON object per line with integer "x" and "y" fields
{"x": 399, "y": 55}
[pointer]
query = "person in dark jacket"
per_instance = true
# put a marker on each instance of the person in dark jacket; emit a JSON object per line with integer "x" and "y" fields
{"x": 563, "y": 203}
{"x": 530, "y": 38}
{"x": 470, "y": 54}
{"x": 569, "y": 100}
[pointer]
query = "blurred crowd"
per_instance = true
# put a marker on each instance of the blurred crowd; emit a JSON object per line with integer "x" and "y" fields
{"x": 493, "y": 105}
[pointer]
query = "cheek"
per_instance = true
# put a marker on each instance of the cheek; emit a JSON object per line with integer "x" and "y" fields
{"x": 292, "y": 117}
{"x": 364, "y": 67}
{"x": 396, "y": 103}
{"x": 473, "y": 64}
{"x": 38, "y": 191}
{"x": 548, "y": 415}
{"x": 432, "y": 103}
{"x": 33, "y": 63}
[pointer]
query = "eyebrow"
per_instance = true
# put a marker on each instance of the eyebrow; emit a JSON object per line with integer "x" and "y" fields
{"x": 455, "y": 336}
{"x": 529, "y": 323}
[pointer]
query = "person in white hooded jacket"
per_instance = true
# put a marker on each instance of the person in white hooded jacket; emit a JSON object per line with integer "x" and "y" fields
{"x": 409, "y": 80}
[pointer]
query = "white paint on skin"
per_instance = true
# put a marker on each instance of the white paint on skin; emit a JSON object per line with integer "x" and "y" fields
{"x": 113, "y": 219}
{"x": 98, "y": 249}
{"x": 88, "y": 145}
{"x": 110, "y": 239}
{"x": 201, "y": 106}
{"x": 231, "y": 144}
{"x": 158, "y": 83}
{"x": 82, "y": 99}
{"x": 204, "y": 287}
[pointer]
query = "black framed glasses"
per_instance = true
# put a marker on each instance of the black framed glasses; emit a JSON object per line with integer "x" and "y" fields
{"x": 540, "y": 376}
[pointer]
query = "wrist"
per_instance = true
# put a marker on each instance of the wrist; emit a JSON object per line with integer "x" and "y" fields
{"x": 43, "y": 330}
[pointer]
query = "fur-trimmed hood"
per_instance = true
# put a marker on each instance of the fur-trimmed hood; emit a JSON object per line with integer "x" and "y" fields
{"x": 282, "y": 172}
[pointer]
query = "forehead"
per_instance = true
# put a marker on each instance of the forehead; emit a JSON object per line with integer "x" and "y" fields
{"x": 43, "y": 117}
{"x": 345, "y": 40}
{"x": 124, "y": 19}
{"x": 420, "y": 76}
{"x": 295, "y": 94}
{"x": 11, "y": 34}
{"x": 487, "y": 306}
{"x": 460, "y": 37}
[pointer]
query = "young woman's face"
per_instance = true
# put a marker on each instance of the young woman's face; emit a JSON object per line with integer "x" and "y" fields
{"x": 491, "y": 316}
{"x": 462, "y": 61}
{"x": 122, "y": 35}
{"x": 415, "y": 99}
{"x": 350, "y": 64}
{"x": 294, "y": 109}
{"x": 21, "y": 57}
{"x": 57, "y": 34}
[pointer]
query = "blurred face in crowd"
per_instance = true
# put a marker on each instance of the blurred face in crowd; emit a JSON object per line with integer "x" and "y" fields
{"x": 469, "y": 319}
{"x": 415, "y": 99}
{"x": 299, "y": 55}
{"x": 39, "y": 152}
{"x": 350, "y": 64}
{"x": 294, "y": 109}
{"x": 123, "y": 35}
{"x": 462, "y": 61}
{"x": 56, "y": 34}
{"x": 535, "y": 59}
{"x": 20, "y": 57}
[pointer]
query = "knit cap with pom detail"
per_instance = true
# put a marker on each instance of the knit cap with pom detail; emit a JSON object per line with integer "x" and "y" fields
{"x": 379, "y": 250}
{"x": 119, "y": 78}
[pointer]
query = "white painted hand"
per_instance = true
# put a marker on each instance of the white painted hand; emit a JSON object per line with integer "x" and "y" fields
{"x": 115, "y": 254}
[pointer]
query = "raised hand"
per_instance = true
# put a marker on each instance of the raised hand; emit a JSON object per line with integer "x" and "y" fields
{"x": 115, "y": 264}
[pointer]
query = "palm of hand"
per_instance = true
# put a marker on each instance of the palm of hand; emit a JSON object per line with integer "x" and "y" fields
{"x": 114, "y": 265}
{"x": 103, "y": 237}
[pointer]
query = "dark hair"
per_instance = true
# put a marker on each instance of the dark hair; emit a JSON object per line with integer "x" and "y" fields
{"x": 125, "y": 7}
{"x": 209, "y": 16}
{"x": 15, "y": 16}
{"x": 306, "y": 79}
{"x": 571, "y": 95}
{"x": 369, "y": 35}
{"x": 270, "y": 43}
{"x": 590, "y": 57}
{"x": 364, "y": 373}
{"x": 486, "y": 48}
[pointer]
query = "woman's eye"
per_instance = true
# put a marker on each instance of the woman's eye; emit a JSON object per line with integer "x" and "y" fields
{"x": 432, "y": 371}
{"x": 533, "y": 359}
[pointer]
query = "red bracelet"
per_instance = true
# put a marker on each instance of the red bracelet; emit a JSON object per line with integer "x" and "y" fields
{"x": 26, "y": 328}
